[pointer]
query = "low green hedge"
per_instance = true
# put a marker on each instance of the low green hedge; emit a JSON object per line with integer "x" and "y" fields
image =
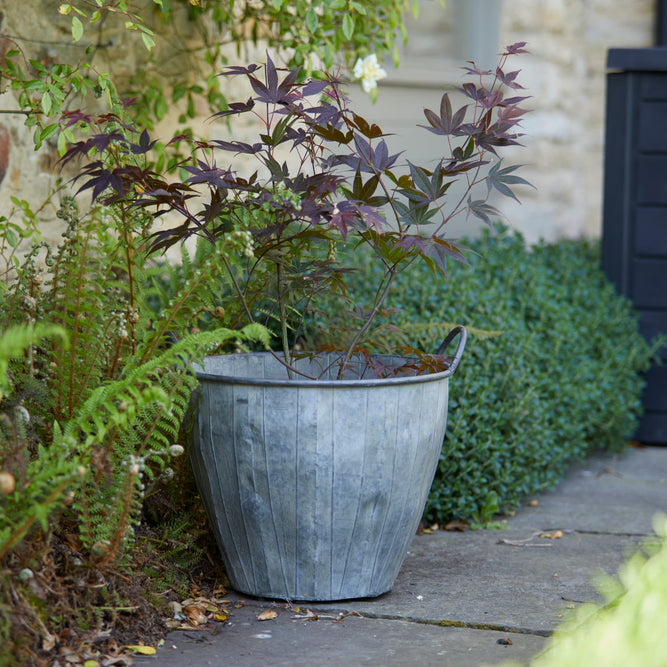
{"x": 550, "y": 372}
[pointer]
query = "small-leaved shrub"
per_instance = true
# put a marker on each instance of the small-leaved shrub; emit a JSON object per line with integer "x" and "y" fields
{"x": 551, "y": 370}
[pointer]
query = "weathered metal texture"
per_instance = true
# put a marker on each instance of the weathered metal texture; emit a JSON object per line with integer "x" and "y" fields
{"x": 314, "y": 489}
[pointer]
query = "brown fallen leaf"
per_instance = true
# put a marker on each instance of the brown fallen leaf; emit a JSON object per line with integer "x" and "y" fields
{"x": 457, "y": 526}
{"x": 194, "y": 614}
{"x": 48, "y": 642}
{"x": 267, "y": 615}
{"x": 556, "y": 534}
{"x": 533, "y": 502}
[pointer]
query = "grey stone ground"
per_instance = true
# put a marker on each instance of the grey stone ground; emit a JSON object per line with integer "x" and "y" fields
{"x": 459, "y": 593}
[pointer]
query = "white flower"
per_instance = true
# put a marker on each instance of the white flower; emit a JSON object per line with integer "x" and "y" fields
{"x": 369, "y": 71}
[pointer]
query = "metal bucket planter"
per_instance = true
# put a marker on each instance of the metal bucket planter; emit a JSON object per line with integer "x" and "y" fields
{"x": 315, "y": 489}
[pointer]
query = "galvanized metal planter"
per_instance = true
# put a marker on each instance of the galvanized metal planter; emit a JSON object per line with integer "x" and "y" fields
{"x": 315, "y": 489}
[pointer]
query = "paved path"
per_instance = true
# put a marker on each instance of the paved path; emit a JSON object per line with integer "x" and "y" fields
{"x": 459, "y": 594}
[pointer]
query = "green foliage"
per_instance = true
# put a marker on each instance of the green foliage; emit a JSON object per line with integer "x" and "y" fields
{"x": 554, "y": 375}
{"x": 628, "y": 631}
{"x": 184, "y": 48}
{"x": 306, "y": 31}
{"x": 114, "y": 396}
{"x": 93, "y": 394}
{"x": 16, "y": 340}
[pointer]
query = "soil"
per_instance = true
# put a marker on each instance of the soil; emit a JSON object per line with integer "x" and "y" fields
{"x": 64, "y": 613}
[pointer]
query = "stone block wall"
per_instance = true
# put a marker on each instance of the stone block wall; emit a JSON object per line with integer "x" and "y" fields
{"x": 564, "y": 75}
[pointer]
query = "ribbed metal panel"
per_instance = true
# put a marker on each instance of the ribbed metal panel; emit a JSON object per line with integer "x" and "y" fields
{"x": 314, "y": 492}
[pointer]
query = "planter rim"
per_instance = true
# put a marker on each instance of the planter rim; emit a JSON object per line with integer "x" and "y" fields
{"x": 307, "y": 382}
{"x": 355, "y": 382}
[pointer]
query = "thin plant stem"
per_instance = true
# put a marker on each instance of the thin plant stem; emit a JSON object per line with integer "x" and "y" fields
{"x": 283, "y": 321}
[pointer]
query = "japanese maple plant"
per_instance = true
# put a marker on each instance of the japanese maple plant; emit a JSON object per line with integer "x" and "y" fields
{"x": 326, "y": 177}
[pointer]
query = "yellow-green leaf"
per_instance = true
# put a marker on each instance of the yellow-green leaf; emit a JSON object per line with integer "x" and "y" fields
{"x": 46, "y": 104}
{"x": 77, "y": 28}
{"x": 147, "y": 40}
{"x": 62, "y": 144}
{"x": 142, "y": 650}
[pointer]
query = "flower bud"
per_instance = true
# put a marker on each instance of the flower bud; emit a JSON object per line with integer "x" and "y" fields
{"x": 23, "y": 414}
{"x": 100, "y": 547}
{"x": 7, "y": 483}
{"x": 176, "y": 450}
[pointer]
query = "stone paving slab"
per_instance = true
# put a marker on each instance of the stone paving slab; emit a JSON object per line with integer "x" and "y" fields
{"x": 612, "y": 494}
{"x": 289, "y": 640}
{"x": 472, "y": 579}
{"x": 458, "y": 593}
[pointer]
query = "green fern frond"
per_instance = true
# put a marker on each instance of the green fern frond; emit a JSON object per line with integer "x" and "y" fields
{"x": 433, "y": 330}
{"x": 15, "y": 340}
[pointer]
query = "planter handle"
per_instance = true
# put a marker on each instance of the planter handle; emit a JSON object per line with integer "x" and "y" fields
{"x": 461, "y": 332}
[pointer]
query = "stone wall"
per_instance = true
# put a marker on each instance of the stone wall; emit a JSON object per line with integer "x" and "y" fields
{"x": 564, "y": 74}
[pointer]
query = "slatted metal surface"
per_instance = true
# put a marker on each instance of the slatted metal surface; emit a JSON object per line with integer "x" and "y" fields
{"x": 634, "y": 235}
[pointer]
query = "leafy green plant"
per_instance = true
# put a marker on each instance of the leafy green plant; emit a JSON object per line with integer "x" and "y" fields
{"x": 484, "y": 518}
{"x": 627, "y": 631}
{"x": 286, "y": 220}
{"x": 185, "y": 45}
{"x": 552, "y": 367}
{"x": 92, "y": 398}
